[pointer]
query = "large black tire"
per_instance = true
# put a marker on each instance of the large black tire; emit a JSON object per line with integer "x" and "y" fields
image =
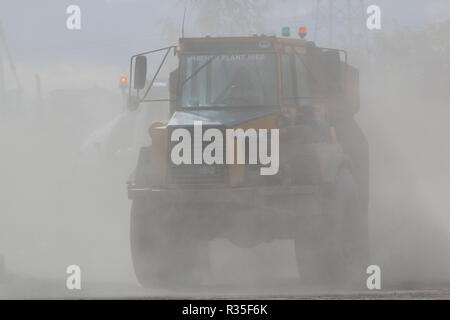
{"x": 164, "y": 252}
{"x": 333, "y": 249}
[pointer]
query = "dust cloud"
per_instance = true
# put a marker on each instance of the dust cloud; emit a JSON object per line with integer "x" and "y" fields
{"x": 65, "y": 160}
{"x": 406, "y": 117}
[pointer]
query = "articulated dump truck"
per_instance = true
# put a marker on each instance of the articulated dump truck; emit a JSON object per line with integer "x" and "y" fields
{"x": 297, "y": 97}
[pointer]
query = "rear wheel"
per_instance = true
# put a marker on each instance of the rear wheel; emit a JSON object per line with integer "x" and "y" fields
{"x": 334, "y": 247}
{"x": 164, "y": 252}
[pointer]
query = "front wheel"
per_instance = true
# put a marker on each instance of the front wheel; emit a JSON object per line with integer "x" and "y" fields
{"x": 163, "y": 251}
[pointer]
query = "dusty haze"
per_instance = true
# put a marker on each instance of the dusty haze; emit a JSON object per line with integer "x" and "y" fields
{"x": 63, "y": 198}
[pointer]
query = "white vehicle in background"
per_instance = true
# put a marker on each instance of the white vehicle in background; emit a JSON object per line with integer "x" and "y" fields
{"x": 118, "y": 141}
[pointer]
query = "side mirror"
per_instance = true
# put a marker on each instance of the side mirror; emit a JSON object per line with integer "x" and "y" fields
{"x": 140, "y": 72}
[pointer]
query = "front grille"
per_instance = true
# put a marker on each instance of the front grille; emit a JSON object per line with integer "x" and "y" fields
{"x": 197, "y": 174}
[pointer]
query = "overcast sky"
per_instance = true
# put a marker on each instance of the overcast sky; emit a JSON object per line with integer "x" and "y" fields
{"x": 113, "y": 30}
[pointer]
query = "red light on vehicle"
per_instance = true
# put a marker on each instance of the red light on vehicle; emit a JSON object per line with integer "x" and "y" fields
{"x": 123, "y": 82}
{"x": 302, "y": 32}
{"x": 123, "y": 79}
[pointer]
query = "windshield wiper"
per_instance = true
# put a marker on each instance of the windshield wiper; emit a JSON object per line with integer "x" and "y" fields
{"x": 199, "y": 69}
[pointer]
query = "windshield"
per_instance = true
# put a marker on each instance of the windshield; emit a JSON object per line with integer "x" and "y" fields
{"x": 228, "y": 80}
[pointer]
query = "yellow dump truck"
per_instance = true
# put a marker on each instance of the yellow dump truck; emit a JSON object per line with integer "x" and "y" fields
{"x": 318, "y": 194}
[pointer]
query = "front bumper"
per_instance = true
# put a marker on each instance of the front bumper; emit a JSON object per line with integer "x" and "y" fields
{"x": 293, "y": 201}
